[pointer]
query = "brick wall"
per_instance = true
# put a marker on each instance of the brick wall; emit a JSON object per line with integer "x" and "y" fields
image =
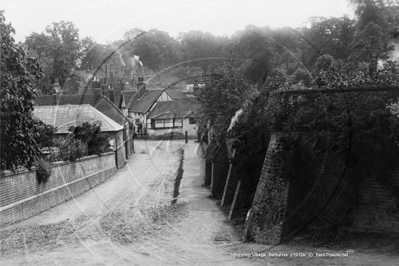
{"x": 230, "y": 185}
{"x": 320, "y": 188}
{"x": 378, "y": 208}
{"x": 22, "y": 197}
{"x": 208, "y": 172}
{"x": 270, "y": 199}
{"x": 246, "y": 192}
{"x": 220, "y": 168}
{"x": 208, "y": 151}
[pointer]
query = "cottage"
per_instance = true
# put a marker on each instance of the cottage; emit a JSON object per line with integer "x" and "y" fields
{"x": 65, "y": 116}
{"x": 177, "y": 116}
{"x": 139, "y": 103}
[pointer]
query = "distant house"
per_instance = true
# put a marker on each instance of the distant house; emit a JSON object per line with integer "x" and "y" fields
{"x": 65, "y": 116}
{"x": 141, "y": 102}
{"x": 178, "y": 115}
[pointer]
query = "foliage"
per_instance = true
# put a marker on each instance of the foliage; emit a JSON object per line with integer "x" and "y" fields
{"x": 45, "y": 134}
{"x": 43, "y": 171}
{"x": 222, "y": 95}
{"x": 156, "y": 49}
{"x": 371, "y": 45}
{"x": 69, "y": 149}
{"x": 302, "y": 75}
{"x": 90, "y": 134}
{"x": 17, "y": 94}
{"x": 58, "y": 50}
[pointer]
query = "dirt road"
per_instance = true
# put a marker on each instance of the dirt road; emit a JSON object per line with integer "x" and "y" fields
{"x": 129, "y": 219}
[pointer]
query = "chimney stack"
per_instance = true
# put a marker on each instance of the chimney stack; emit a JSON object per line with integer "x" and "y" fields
{"x": 95, "y": 85}
{"x": 97, "y": 94}
{"x": 104, "y": 89}
{"x": 111, "y": 95}
{"x": 140, "y": 87}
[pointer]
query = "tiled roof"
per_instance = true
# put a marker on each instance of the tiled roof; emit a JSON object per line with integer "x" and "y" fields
{"x": 64, "y": 116}
{"x": 105, "y": 106}
{"x": 179, "y": 108}
{"x": 128, "y": 96}
{"x": 176, "y": 94}
{"x": 143, "y": 104}
{"x": 66, "y": 99}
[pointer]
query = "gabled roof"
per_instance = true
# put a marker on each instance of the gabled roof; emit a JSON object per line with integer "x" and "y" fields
{"x": 64, "y": 116}
{"x": 143, "y": 104}
{"x": 179, "y": 108}
{"x": 66, "y": 99}
{"x": 127, "y": 96}
{"x": 105, "y": 106}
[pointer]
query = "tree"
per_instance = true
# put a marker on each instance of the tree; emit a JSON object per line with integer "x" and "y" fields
{"x": 17, "y": 95}
{"x": 324, "y": 63}
{"x": 380, "y": 12}
{"x": 329, "y": 36}
{"x": 91, "y": 54}
{"x": 370, "y": 46}
{"x": 58, "y": 50}
{"x": 303, "y": 76}
{"x": 222, "y": 96}
{"x": 198, "y": 47}
{"x": 156, "y": 48}
{"x": 256, "y": 48}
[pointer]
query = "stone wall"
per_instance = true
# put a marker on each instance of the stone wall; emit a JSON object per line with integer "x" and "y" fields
{"x": 22, "y": 197}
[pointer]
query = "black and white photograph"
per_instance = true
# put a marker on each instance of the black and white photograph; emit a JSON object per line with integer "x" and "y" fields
{"x": 199, "y": 132}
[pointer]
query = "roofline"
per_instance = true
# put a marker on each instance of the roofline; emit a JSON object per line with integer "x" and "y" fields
{"x": 100, "y": 113}
{"x": 152, "y": 102}
{"x": 113, "y": 105}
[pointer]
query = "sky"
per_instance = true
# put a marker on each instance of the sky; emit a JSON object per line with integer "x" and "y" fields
{"x": 108, "y": 20}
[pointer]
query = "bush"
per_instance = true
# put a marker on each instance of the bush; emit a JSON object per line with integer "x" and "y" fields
{"x": 46, "y": 132}
{"x": 43, "y": 171}
{"x": 69, "y": 149}
{"x": 96, "y": 141}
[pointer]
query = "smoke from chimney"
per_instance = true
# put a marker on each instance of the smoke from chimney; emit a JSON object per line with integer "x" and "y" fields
{"x": 135, "y": 59}
{"x": 121, "y": 58}
{"x": 395, "y": 53}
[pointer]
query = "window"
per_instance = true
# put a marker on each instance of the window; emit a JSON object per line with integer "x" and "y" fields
{"x": 178, "y": 122}
{"x": 168, "y": 122}
{"x": 159, "y": 124}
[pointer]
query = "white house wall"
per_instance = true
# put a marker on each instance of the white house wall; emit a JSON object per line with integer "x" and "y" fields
{"x": 191, "y": 129}
{"x": 164, "y": 97}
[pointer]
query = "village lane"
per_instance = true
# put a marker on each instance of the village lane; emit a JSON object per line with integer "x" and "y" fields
{"x": 130, "y": 219}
